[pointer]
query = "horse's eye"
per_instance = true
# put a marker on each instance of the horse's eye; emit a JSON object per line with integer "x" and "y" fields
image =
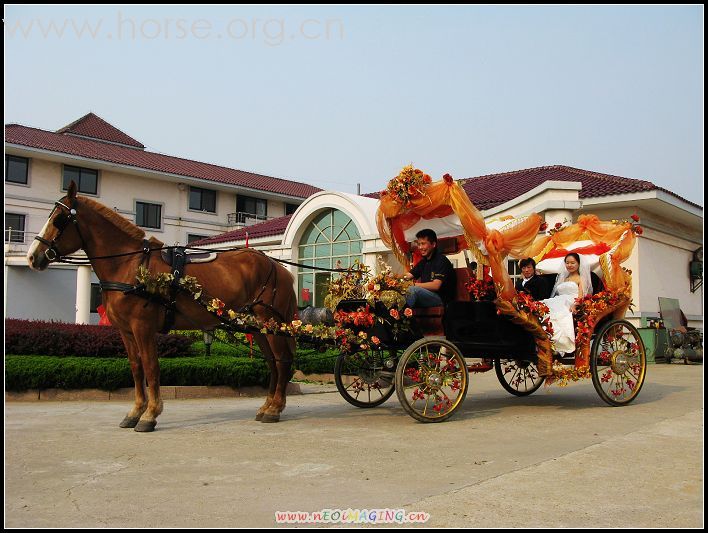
{"x": 61, "y": 221}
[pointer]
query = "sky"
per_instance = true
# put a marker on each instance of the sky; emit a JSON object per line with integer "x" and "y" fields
{"x": 337, "y": 96}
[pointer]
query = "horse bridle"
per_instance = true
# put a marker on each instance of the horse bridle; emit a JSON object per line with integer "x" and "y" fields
{"x": 61, "y": 222}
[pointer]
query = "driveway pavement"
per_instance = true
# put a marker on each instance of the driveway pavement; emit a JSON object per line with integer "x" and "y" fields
{"x": 559, "y": 458}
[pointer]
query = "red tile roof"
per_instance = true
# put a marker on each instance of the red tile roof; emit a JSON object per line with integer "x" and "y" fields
{"x": 492, "y": 190}
{"x": 275, "y": 226}
{"x": 495, "y": 189}
{"x": 123, "y": 155}
{"x": 93, "y": 126}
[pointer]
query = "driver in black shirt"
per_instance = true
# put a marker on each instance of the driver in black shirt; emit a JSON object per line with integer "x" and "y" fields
{"x": 435, "y": 276}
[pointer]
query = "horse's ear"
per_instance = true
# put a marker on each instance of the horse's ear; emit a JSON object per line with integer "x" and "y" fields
{"x": 71, "y": 193}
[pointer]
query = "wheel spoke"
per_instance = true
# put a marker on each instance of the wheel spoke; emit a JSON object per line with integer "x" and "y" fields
{"x": 520, "y": 378}
{"x": 357, "y": 380}
{"x": 430, "y": 380}
{"x": 619, "y": 363}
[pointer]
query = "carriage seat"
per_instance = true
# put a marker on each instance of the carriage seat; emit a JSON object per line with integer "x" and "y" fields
{"x": 429, "y": 320}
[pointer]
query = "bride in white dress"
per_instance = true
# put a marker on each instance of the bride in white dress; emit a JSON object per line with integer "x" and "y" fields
{"x": 571, "y": 281}
{"x": 562, "y": 317}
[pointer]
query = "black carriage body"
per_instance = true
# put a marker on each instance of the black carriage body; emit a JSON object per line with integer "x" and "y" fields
{"x": 478, "y": 331}
{"x": 474, "y": 327}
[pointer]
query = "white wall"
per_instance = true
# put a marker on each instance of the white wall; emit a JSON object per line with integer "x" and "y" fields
{"x": 49, "y": 295}
{"x": 664, "y": 272}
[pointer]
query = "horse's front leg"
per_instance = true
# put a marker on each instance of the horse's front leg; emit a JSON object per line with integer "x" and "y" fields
{"x": 136, "y": 367}
{"x": 147, "y": 344}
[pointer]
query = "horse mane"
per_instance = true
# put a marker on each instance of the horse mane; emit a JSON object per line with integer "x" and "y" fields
{"x": 114, "y": 218}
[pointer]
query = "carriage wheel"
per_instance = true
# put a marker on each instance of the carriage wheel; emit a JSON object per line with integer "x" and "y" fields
{"x": 520, "y": 378}
{"x": 431, "y": 379}
{"x": 618, "y": 362}
{"x": 365, "y": 379}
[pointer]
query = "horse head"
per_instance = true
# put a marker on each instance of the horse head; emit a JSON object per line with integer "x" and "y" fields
{"x": 60, "y": 235}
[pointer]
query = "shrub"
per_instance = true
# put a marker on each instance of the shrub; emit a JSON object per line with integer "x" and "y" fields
{"x": 307, "y": 358}
{"x": 315, "y": 362}
{"x": 47, "y": 372}
{"x": 33, "y": 337}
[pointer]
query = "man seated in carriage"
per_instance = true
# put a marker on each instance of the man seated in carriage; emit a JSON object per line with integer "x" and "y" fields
{"x": 435, "y": 283}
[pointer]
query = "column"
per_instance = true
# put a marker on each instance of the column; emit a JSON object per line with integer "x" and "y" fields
{"x": 83, "y": 295}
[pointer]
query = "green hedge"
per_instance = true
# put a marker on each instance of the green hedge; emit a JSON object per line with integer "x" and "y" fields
{"x": 308, "y": 360}
{"x": 48, "y": 372}
{"x": 315, "y": 362}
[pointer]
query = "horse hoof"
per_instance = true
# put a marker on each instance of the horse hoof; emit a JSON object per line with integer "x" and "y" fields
{"x": 259, "y": 416}
{"x": 270, "y": 418}
{"x": 129, "y": 422}
{"x": 145, "y": 426}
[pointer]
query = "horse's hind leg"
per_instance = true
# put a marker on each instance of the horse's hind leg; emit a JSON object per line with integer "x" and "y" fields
{"x": 284, "y": 349}
{"x": 147, "y": 344}
{"x": 133, "y": 416}
{"x": 270, "y": 360}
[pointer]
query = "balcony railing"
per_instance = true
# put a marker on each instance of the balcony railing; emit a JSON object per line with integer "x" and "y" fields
{"x": 241, "y": 219}
{"x": 18, "y": 242}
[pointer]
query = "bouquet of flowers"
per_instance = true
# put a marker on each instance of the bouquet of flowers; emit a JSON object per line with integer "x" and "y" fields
{"x": 388, "y": 288}
{"x": 409, "y": 184}
{"x": 350, "y": 285}
{"x": 480, "y": 289}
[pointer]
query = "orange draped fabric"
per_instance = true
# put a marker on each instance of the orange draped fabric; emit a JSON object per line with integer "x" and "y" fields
{"x": 590, "y": 227}
{"x": 441, "y": 199}
{"x": 613, "y": 242}
{"x": 615, "y": 277}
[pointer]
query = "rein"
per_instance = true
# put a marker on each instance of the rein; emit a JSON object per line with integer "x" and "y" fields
{"x": 146, "y": 250}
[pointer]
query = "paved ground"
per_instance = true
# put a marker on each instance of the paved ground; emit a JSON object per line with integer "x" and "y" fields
{"x": 559, "y": 458}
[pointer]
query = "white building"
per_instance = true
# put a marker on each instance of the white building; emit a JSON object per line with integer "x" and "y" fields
{"x": 176, "y": 200}
{"x": 332, "y": 226}
{"x": 182, "y": 201}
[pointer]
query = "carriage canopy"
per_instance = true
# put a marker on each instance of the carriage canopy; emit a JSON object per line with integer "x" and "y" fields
{"x": 412, "y": 201}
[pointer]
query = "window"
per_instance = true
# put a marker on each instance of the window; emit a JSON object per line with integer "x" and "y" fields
{"x": 16, "y": 169}
{"x": 252, "y": 206}
{"x": 331, "y": 240}
{"x": 202, "y": 199}
{"x": 290, "y": 208}
{"x": 148, "y": 215}
{"x": 14, "y": 227}
{"x": 192, "y": 237}
{"x": 513, "y": 269}
{"x": 96, "y": 297}
{"x": 86, "y": 179}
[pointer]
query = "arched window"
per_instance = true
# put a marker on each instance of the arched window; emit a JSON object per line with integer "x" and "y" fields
{"x": 331, "y": 240}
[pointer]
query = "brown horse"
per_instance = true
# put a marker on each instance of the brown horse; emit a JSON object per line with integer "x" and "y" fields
{"x": 238, "y": 278}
